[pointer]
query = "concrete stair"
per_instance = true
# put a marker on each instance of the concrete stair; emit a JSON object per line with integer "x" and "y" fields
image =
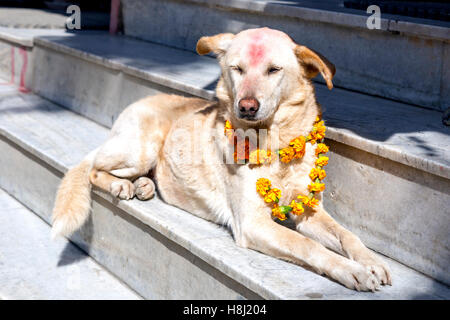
{"x": 159, "y": 251}
{"x": 396, "y": 157}
{"x": 34, "y": 267}
{"x": 407, "y": 59}
{"x": 377, "y": 143}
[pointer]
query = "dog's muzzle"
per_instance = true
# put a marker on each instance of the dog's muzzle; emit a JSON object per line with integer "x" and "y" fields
{"x": 248, "y": 107}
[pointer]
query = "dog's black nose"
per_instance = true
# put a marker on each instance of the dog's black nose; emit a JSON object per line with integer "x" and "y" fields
{"x": 248, "y": 107}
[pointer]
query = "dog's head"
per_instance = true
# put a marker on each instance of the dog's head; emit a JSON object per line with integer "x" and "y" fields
{"x": 261, "y": 68}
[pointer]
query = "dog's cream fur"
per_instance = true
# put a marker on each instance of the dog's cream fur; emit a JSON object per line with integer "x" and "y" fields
{"x": 263, "y": 64}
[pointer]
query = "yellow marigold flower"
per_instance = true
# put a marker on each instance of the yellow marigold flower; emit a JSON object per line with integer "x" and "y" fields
{"x": 273, "y": 195}
{"x": 298, "y": 144}
{"x": 262, "y": 186}
{"x": 321, "y": 148}
{"x": 322, "y": 161}
{"x": 318, "y": 132}
{"x": 317, "y": 173}
{"x": 316, "y": 187}
{"x": 276, "y": 212}
{"x": 319, "y": 124}
{"x": 311, "y": 139}
{"x": 312, "y": 203}
{"x": 297, "y": 208}
{"x": 322, "y": 174}
{"x": 314, "y": 173}
{"x": 287, "y": 154}
{"x": 228, "y": 130}
{"x": 314, "y": 136}
{"x": 260, "y": 156}
{"x": 303, "y": 199}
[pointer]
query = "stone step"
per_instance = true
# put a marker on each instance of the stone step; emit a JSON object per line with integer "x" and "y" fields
{"x": 56, "y": 18}
{"x": 16, "y": 58}
{"x": 35, "y": 268}
{"x": 407, "y": 59}
{"x": 398, "y": 153}
{"x": 160, "y": 251}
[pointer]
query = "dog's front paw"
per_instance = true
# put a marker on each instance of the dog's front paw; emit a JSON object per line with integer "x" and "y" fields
{"x": 378, "y": 268}
{"x": 122, "y": 189}
{"x": 145, "y": 188}
{"x": 355, "y": 276}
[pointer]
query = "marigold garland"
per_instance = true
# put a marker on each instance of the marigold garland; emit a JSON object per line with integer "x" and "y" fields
{"x": 295, "y": 150}
{"x": 259, "y": 156}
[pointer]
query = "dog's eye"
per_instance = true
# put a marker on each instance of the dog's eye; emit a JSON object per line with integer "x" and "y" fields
{"x": 273, "y": 70}
{"x": 237, "y": 68}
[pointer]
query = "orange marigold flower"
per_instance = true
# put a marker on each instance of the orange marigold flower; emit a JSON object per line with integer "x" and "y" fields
{"x": 273, "y": 195}
{"x": 322, "y": 161}
{"x": 311, "y": 139}
{"x": 298, "y": 144}
{"x": 297, "y": 208}
{"x": 321, "y": 148}
{"x": 287, "y": 154}
{"x": 316, "y": 187}
{"x": 262, "y": 186}
{"x": 312, "y": 203}
{"x": 314, "y": 173}
{"x": 276, "y": 212}
{"x": 322, "y": 174}
{"x": 318, "y": 131}
{"x": 260, "y": 156}
{"x": 317, "y": 173}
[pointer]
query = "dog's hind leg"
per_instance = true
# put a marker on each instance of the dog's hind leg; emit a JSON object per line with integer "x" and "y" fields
{"x": 121, "y": 188}
{"x": 143, "y": 187}
{"x": 122, "y": 165}
{"x": 124, "y": 161}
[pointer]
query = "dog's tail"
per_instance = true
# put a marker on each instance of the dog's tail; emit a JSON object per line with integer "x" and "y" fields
{"x": 73, "y": 199}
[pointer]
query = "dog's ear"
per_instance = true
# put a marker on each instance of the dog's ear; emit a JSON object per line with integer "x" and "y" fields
{"x": 314, "y": 63}
{"x": 217, "y": 44}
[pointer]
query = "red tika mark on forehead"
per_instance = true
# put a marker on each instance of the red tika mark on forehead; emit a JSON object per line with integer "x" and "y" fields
{"x": 256, "y": 53}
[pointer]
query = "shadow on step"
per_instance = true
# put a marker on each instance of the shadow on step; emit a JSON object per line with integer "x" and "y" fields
{"x": 75, "y": 252}
{"x": 26, "y": 104}
{"x": 70, "y": 255}
{"x": 435, "y": 290}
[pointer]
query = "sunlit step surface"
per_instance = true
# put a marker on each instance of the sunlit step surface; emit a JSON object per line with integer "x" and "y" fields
{"x": 34, "y": 267}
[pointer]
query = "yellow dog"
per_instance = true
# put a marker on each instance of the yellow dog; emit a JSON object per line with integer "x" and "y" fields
{"x": 265, "y": 84}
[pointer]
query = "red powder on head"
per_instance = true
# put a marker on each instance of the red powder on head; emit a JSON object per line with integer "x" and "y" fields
{"x": 256, "y": 53}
